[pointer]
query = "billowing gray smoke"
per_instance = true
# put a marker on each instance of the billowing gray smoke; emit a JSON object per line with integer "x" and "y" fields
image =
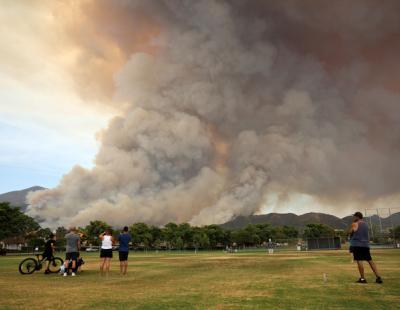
{"x": 230, "y": 108}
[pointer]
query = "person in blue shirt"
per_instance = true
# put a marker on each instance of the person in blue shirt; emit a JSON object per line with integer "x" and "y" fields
{"x": 124, "y": 239}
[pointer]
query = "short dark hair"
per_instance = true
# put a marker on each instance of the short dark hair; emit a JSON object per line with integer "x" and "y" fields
{"x": 358, "y": 214}
{"x": 126, "y": 228}
{"x": 51, "y": 236}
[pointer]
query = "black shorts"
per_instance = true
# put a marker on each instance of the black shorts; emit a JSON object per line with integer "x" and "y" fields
{"x": 71, "y": 255}
{"x": 47, "y": 256}
{"x": 123, "y": 256}
{"x": 106, "y": 253}
{"x": 361, "y": 253}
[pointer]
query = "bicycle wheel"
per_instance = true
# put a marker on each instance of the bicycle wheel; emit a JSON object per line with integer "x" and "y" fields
{"x": 27, "y": 266}
{"x": 55, "y": 264}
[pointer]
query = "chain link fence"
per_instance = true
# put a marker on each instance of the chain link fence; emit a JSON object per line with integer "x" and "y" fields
{"x": 382, "y": 223}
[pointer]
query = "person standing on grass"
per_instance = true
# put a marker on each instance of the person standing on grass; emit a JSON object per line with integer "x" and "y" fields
{"x": 360, "y": 247}
{"x": 49, "y": 250}
{"x": 124, "y": 238}
{"x": 106, "y": 251}
{"x": 73, "y": 247}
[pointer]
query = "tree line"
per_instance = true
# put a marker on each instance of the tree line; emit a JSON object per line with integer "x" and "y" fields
{"x": 16, "y": 227}
{"x": 185, "y": 236}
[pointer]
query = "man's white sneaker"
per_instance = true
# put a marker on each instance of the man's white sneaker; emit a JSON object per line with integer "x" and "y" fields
{"x": 65, "y": 274}
{"x": 73, "y": 274}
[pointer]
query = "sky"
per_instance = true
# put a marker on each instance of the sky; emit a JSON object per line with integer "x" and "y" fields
{"x": 199, "y": 111}
{"x": 46, "y": 127}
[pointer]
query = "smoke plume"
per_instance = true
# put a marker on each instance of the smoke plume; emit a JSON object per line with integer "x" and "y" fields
{"x": 227, "y": 102}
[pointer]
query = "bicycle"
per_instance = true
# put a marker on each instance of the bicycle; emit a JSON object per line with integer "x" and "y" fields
{"x": 30, "y": 265}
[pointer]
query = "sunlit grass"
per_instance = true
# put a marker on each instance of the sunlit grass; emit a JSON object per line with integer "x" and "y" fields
{"x": 210, "y": 280}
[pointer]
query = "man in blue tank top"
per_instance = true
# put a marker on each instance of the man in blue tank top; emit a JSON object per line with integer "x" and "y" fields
{"x": 124, "y": 238}
{"x": 360, "y": 247}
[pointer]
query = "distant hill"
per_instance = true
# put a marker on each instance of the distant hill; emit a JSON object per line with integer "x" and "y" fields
{"x": 300, "y": 221}
{"x": 394, "y": 220}
{"x": 18, "y": 198}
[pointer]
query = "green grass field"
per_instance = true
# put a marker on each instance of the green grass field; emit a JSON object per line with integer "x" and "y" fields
{"x": 211, "y": 280}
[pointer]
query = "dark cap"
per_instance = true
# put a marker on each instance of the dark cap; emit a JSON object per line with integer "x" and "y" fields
{"x": 358, "y": 214}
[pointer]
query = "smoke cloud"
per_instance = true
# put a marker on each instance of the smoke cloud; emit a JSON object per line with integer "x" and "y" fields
{"x": 228, "y": 102}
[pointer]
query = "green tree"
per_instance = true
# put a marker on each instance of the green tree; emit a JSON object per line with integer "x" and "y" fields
{"x": 264, "y": 232}
{"x": 290, "y": 232}
{"x": 14, "y": 223}
{"x": 396, "y": 232}
{"x": 252, "y": 235}
{"x": 318, "y": 231}
{"x": 227, "y": 238}
{"x": 171, "y": 233}
{"x": 200, "y": 239}
{"x": 60, "y": 236}
{"x": 215, "y": 235}
{"x": 141, "y": 234}
{"x": 241, "y": 237}
{"x": 179, "y": 243}
{"x": 157, "y": 236}
{"x": 185, "y": 233}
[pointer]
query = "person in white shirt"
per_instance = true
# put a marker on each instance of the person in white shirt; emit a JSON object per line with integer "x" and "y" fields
{"x": 106, "y": 251}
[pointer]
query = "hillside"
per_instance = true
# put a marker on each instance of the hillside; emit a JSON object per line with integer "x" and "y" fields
{"x": 299, "y": 221}
{"x": 18, "y": 198}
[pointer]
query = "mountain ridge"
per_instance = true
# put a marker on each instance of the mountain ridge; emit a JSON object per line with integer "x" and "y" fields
{"x": 18, "y": 198}
{"x": 300, "y": 221}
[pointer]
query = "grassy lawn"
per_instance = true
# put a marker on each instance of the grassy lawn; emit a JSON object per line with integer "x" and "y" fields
{"x": 211, "y": 280}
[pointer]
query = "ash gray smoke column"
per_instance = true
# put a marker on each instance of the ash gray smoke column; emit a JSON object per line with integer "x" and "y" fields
{"x": 239, "y": 102}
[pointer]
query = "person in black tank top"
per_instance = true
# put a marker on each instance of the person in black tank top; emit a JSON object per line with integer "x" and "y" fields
{"x": 48, "y": 253}
{"x": 360, "y": 247}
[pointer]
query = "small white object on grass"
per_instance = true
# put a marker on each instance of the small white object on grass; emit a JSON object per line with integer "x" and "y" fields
{"x": 325, "y": 277}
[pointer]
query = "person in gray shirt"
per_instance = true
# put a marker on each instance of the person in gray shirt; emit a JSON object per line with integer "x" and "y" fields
{"x": 73, "y": 242}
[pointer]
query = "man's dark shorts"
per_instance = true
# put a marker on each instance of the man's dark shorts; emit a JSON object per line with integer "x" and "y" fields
{"x": 47, "y": 256}
{"x": 361, "y": 253}
{"x": 106, "y": 253}
{"x": 72, "y": 256}
{"x": 123, "y": 256}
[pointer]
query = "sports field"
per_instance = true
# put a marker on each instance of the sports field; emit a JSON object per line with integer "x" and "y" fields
{"x": 210, "y": 280}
